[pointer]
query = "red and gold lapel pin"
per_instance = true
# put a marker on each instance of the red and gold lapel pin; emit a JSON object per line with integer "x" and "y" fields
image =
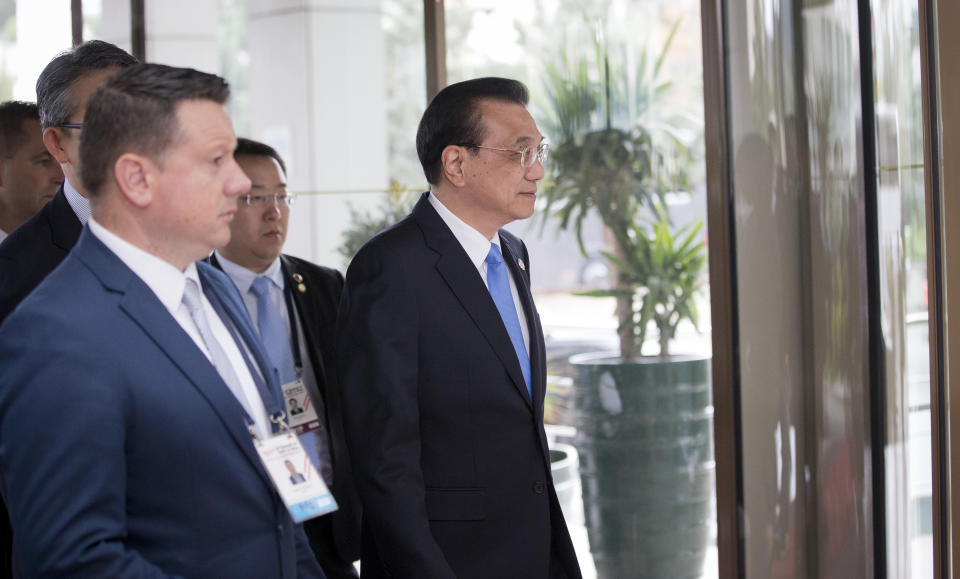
{"x": 300, "y": 286}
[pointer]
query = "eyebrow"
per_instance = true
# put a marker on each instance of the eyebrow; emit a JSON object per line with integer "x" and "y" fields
{"x": 524, "y": 140}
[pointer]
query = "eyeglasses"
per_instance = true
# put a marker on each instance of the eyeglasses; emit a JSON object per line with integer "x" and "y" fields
{"x": 263, "y": 200}
{"x": 528, "y": 155}
{"x": 77, "y": 126}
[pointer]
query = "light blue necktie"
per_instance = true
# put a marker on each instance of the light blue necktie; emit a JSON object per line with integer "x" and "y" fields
{"x": 191, "y": 299}
{"x": 277, "y": 341}
{"x": 273, "y": 331}
{"x": 499, "y": 284}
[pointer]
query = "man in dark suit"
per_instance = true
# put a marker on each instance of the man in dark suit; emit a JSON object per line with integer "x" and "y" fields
{"x": 305, "y": 349}
{"x": 152, "y": 380}
{"x": 29, "y": 176}
{"x": 441, "y": 360}
{"x": 39, "y": 245}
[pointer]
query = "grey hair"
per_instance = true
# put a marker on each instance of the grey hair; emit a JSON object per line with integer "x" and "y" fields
{"x": 53, "y": 86}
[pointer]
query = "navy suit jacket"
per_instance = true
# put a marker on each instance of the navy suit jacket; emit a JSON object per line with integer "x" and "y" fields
{"x": 450, "y": 456}
{"x": 123, "y": 452}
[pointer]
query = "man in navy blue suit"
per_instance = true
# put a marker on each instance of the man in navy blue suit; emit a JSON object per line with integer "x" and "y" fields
{"x": 151, "y": 379}
{"x": 441, "y": 360}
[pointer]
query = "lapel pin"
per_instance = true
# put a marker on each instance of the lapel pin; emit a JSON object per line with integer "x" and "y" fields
{"x": 520, "y": 263}
{"x": 300, "y": 285}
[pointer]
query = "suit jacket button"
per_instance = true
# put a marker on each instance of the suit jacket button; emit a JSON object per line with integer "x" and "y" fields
{"x": 539, "y": 487}
{"x": 280, "y": 530}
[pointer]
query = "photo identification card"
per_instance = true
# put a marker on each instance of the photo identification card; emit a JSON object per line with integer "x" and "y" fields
{"x": 301, "y": 413}
{"x": 300, "y": 486}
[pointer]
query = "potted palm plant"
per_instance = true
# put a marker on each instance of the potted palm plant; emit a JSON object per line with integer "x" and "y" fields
{"x": 644, "y": 423}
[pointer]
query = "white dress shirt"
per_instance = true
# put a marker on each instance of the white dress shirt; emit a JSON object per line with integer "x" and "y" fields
{"x": 167, "y": 283}
{"x": 477, "y": 247}
{"x": 79, "y": 203}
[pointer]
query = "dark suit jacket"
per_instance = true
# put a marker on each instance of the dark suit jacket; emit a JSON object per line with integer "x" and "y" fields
{"x": 449, "y": 452}
{"x": 139, "y": 464}
{"x": 34, "y": 249}
{"x": 27, "y": 256}
{"x": 317, "y": 309}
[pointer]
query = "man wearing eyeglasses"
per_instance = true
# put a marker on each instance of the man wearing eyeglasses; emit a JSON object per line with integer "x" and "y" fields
{"x": 39, "y": 245}
{"x": 163, "y": 417}
{"x": 293, "y": 303}
{"x": 441, "y": 360}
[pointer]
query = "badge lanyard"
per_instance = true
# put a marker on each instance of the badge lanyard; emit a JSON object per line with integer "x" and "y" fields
{"x": 269, "y": 398}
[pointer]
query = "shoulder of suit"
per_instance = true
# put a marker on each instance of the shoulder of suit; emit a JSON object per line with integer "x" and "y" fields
{"x": 312, "y": 271}
{"x": 400, "y": 236}
{"x": 28, "y": 239}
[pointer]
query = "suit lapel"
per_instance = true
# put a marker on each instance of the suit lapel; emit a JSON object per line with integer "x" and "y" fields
{"x": 464, "y": 280}
{"x": 65, "y": 227}
{"x": 142, "y": 306}
{"x": 223, "y": 290}
{"x": 307, "y": 308}
{"x": 512, "y": 252}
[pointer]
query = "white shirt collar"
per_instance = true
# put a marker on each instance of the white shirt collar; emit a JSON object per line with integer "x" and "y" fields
{"x": 243, "y": 277}
{"x": 165, "y": 280}
{"x": 79, "y": 203}
{"x": 474, "y": 243}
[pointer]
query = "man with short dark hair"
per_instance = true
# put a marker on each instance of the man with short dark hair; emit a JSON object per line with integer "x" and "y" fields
{"x": 40, "y": 244}
{"x": 29, "y": 176}
{"x": 441, "y": 360}
{"x": 299, "y": 299}
{"x": 158, "y": 397}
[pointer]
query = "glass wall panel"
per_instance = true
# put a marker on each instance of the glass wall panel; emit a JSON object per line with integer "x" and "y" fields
{"x": 616, "y": 88}
{"x": 795, "y": 122}
{"x": 903, "y": 279}
{"x": 337, "y": 88}
{"x": 32, "y": 32}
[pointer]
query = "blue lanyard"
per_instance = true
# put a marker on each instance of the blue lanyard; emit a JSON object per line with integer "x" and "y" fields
{"x": 271, "y": 399}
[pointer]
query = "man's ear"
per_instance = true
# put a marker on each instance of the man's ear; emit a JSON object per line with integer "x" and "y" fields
{"x": 133, "y": 174}
{"x": 3, "y": 171}
{"x": 451, "y": 160}
{"x": 51, "y": 140}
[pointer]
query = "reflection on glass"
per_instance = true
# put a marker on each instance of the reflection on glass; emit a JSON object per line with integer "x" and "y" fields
{"x": 903, "y": 276}
{"x": 769, "y": 178}
{"x": 343, "y": 119}
{"x": 801, "y": 259}
{"x": 616, "y": 89}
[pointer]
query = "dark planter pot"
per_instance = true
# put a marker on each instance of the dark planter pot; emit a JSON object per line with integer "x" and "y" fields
{"x": 645, "y": 440}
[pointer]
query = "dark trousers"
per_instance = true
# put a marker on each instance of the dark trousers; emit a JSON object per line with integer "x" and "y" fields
{"x": 320, "y": 534}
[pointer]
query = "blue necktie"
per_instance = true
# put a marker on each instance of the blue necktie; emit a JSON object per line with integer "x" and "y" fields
{"x": 499, "y": 285}
{"x": 273, "y": 331}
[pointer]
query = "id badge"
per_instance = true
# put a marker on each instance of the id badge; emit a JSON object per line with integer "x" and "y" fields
{"x": 301, "y": 413}
{"x": 296, "y": 480}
